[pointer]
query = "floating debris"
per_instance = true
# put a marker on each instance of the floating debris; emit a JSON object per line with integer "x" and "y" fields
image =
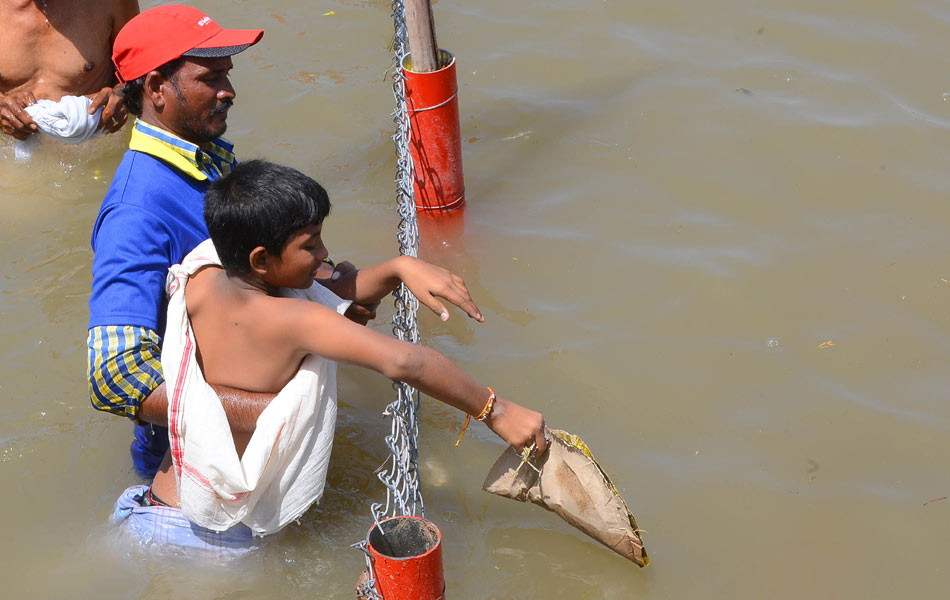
{"x": 520, "y": 134}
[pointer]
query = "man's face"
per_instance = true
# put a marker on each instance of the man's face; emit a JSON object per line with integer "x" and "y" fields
{"x": 199, "y": 97}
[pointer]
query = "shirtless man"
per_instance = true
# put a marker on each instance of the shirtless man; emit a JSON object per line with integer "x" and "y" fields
{"x": 55, "y": 48}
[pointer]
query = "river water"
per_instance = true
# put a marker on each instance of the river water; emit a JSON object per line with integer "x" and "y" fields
{"x": 709, "y": 238}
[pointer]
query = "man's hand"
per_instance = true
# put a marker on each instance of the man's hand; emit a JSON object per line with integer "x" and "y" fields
{"x": 14, "y": 120}
{"x": 361, "y": 314}
{"x": 114, "y": 113}
{"x": 358, "y": 313}
{"x": 427, "y": 281}
{"x": 333, "y": 271}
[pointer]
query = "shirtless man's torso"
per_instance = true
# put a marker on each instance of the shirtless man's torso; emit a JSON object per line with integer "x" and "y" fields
{"x": 53, "y": 48}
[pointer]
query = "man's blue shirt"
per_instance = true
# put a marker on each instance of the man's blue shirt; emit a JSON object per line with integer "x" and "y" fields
{"x": 152, "y": 216}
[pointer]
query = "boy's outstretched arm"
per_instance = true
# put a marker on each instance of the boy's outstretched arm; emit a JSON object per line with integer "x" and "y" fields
{"x": 316, "y": 329}
{"x": 426, "y": 281}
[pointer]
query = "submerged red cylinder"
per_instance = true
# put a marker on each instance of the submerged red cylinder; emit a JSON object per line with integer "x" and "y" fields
{"x": 435, "y": 139}
{"x": 407, "y": 559}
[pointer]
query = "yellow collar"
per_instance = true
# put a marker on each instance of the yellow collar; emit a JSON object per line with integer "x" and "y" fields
{"x": 188, "y": 158}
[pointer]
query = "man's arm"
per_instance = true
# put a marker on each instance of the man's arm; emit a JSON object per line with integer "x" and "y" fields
{"x": 124, "y": 11}
{"x": 124, "y": 367}
{"x": 327, "y": 276}
{"x": 114, "y": 113}
{"x": 241, "y": 407}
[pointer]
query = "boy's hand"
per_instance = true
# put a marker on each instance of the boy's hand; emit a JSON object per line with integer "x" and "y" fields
{"x": 427, "y": 281}
{"x": 519, "y": 426}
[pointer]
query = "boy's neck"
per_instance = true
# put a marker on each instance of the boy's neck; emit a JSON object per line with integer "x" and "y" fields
{"x": 251, "y": 282}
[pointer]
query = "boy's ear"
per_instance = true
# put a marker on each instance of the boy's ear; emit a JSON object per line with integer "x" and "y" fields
{"x": 260, "y": 261}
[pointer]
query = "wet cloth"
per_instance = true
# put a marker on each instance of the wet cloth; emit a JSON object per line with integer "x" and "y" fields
{"x": 169, "y": 527}
{"x": 283, "y": 469}
{"x": 67, "y": 120}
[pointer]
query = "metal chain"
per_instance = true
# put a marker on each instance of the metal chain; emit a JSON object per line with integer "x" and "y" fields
{"x": 402, "y": 477}
{"x": 400, "y": 472}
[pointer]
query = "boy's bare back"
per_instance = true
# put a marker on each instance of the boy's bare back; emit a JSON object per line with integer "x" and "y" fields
{"x": 240, "y": 332}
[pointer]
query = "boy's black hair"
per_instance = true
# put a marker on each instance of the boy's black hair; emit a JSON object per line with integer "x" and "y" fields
{"x": 260, "y": 204}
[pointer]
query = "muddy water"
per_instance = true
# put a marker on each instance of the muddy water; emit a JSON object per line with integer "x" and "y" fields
{"x": 707, "y": 237}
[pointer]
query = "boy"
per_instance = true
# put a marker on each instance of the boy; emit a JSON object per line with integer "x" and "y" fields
{"x": 266, "y": 221}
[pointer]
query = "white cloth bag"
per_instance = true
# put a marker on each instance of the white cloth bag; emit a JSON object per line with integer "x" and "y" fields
{"x": 283, "y": 469}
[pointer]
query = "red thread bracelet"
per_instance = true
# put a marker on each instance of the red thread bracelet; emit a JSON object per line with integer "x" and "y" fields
{"x": 489, "y": 406}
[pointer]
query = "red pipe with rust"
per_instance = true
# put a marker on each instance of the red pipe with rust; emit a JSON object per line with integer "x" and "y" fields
{"x": 435, "y": 138}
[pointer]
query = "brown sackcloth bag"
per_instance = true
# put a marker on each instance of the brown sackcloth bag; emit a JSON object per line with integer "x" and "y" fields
{"x": 568, "y": 481}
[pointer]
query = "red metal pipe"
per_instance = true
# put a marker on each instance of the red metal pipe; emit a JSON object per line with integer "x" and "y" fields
{"x": 406, "y": 553}
{"x": 435, "y": 139}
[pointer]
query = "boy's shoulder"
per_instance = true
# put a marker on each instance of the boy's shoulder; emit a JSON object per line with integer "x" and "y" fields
{"x": 211, "y": 289}
{"x": 213, "y": 295}
{"x": 211, "y": 286}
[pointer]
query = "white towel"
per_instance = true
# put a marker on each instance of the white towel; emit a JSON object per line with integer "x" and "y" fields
{"x": 283, "y": 469}
{"x": 67, "y": 120}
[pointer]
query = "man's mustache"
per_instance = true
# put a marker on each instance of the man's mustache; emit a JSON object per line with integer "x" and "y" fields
{"x": 223, "y": 107}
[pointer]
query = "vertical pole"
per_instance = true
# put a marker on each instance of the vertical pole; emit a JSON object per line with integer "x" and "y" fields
{"x": 435, "y": 139}
{"x": 432, "y": 104}
{"x": 420, "y": 26}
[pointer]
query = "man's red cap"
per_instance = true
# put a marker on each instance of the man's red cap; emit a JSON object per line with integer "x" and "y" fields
{"x": 164, "y": 33}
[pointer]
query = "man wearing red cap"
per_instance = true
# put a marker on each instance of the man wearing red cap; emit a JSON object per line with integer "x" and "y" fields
{"x": 174, "y": 61}
{"x": 51, "y": 49}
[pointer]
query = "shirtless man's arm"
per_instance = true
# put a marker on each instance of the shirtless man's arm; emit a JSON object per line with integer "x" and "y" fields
{"x": 114, "y": 113}
{"x": 57, "y": 48}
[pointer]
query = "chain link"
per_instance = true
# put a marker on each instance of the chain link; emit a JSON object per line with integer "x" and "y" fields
{"x": 401, "y": 475}
{"x": 400, "y": 472}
